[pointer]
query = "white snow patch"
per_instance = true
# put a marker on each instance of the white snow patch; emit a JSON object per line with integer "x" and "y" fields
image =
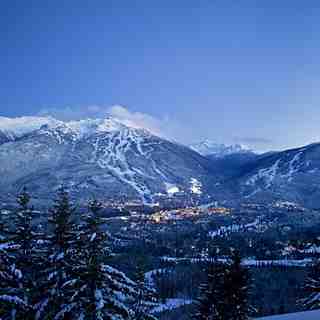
{"x": 219, "y": 150}
{"x": 17, "y": 127}
{"x": 248, "y": 262}
{"x": 171, "y": 188}
{"x": 308, "y": 315}
{"x": 171, "y": 304}
{"x": 195, "y": 186}
{"x": 113, "y": 157}
{"x": 99, "y": 299}
{"x": 8, "y": 245}
{"x": 266, "y": 174}
{"x": 93, "y": 236}
{"x": 149, "y": 276}
{"x": 12, "y": 299}
{"x": 294, "y": 166}
{"x": 233, "y": 228}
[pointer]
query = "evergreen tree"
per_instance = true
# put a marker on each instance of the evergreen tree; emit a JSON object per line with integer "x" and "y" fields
{"x": 66, "y": 275}
{"x": 145, "y": 298}
{"x": 225, "y": 294}
{"x": 60, "y": 254}
{"x": 211, "y": 291}
{"x": 96, "y": 291}
{"x": 10, "y": 293}
{"x": 236, "y": 285}
{"x": 19, "y": 263}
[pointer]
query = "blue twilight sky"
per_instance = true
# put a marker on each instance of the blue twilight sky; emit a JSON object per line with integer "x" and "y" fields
{"x": 232, "y": 71}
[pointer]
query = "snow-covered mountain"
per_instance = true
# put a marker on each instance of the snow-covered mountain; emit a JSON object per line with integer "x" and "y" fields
{"x": 218, "y": 150}
{"x": 293, "y": 175}
{"x": 101, "y": 157}
{"x": 108, "y": 159}
{"x": 13, "y": 128}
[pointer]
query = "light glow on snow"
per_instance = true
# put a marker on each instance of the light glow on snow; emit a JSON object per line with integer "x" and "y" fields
{"x": 171, "y": 188}
{"x": 195, "y": 186}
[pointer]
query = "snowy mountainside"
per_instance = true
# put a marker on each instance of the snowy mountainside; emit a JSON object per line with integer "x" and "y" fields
{"x": 108, "y": 159}
{"x": 293, "y": 175}
{"x": 217, "y": 150}
{"x": 13, "y": 128}
{"x": 232, "y": 164}
{"x": 100, "y": 157}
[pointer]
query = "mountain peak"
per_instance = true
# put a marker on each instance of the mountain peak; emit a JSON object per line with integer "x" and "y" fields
{"x": 97, "y": 156}
{"x": 17, "y": 127}
{"x": 219, "y": 150}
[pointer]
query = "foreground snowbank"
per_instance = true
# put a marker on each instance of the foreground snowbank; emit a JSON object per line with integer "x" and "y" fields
{"x": 309, "y": 315}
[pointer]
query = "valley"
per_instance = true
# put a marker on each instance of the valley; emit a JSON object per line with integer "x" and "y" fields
{"x": 171, "y": 210}
{"x": 279, "y": 244}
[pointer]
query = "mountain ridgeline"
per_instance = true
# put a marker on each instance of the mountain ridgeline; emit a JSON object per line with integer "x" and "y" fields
{"x": 104, "y": 158}
{"x": 108, "y": 159}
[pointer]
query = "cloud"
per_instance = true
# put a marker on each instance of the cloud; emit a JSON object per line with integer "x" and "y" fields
{"x": 256, "y": 143}
{"x": 254, "y": 140}
{"x": 167, "y": 126}
{"x": 75, "y": 113}
{"x": 138, "y": 119}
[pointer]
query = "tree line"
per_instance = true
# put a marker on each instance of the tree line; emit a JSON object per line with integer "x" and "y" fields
{"x": 59, "y": 270}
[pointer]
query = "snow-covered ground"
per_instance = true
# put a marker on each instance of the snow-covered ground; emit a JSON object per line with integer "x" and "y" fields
{"x": 23, "y": 125}
{"x": 248, "y": 262}
{"x": 171, "y": 188}
{"x": 149, "y": 276}
{"x": 16, "y": 127}
{"x": 267, "y": 174}
{"x": 225, "y": 230}
{"x": 282, "y": 262}
{"x": 171, "y": 304}
{"x": 309, "y": 315}
{"x": 309, "y": 249}
{"x": 195, "y": 186}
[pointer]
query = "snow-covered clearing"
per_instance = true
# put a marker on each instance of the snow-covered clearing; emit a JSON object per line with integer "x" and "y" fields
{"x": 308, "y": 315}
{"x": 148, "y": 276}
{"x": 171, "y": 188}
{"x": 171, "y": 304}
{"x": 195, "y": 186}
{"x": 224, "y": 230}
{"x": 248, "y": 262}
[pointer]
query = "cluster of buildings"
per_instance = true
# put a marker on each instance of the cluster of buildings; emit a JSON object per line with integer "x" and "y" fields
{"x": 187, "y": 213}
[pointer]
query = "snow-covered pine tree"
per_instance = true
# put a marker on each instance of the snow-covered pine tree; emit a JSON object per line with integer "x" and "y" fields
{"x": 60, "y": 256}
{"x": 209, "y": 302}
{"x": 19, "y": 263}
{"x": 312, "y": 289}
{"x": 204, "y": 307}
{"x": 10, "y": 293}
{"x": 96, "y": 291}
{"x": 146, "y": 299}
{"x": 236, "y": 286}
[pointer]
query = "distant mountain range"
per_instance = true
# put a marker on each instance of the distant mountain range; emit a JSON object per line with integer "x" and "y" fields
{"x": 218, "y": 150}
{"x": 107, "y": 159}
